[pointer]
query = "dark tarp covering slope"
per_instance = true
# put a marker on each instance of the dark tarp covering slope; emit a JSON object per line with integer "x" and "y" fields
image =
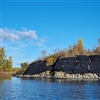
{"x": 37, "y": 67}
{"x": 80, "y": 64}
{"x": 95, "y": 63}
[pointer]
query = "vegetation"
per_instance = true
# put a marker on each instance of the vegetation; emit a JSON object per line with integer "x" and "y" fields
{"x": 5, "y": 64}
{"x": 24, "y": 66}
{"x": 76, "y": 49}
{"x": 97, "y": 48}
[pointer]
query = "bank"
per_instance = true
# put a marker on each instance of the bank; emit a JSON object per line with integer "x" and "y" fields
{"x": 78, "y": 67}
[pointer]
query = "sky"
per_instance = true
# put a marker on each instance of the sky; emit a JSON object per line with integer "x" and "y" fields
{"x": 28, "y": 27}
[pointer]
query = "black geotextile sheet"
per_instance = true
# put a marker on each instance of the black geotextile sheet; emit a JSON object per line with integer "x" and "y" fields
{"x": 72, "y": 65}
{"x": 37, "y": 67}
{"x": 65, "y": 65}
{"x": 83, "y": 58}
{"x": 95, "y": 63}
{"x": 80, "y": 64}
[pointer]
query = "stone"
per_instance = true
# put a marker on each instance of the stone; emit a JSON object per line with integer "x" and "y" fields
{"x": 95, "y": 75}
{"x": 78, "y": 76}
{"x": 90, "y": 75}
{"x": 26, "y": 76}
{"x": 36, "y": 75}
{"x": 20, "y": 75}
{"x": 42, "y": 74}
{"x": 59, "y": 74}
{"x": 47, "y": 73}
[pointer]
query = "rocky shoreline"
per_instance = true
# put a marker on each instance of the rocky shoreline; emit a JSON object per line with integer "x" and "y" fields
{"x": 79, "y": 67}
{"x": 62, "y": 75}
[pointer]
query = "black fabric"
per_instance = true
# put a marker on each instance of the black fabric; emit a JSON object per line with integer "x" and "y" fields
{"x": 95, "y": 67}
{"x": 37, "y": 67}
{"x": 78, "y": 69}
{"x": 79, "y": 64}
{"x": 95, "y": 63}
{"x": 95, "y": 58}
{"x": 65, "y": 65}
{"x": 83, "y": 58}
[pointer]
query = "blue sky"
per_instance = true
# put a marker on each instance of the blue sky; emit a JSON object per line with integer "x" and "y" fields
{"x": 28, "y": 27}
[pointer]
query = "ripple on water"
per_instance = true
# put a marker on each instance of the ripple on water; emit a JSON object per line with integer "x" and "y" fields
{"x": 47, "y": 89}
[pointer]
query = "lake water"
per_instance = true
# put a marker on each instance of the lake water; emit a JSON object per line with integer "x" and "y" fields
{"x": 13, "y": 88}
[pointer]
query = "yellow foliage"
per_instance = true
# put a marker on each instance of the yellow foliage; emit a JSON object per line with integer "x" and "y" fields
{"x": 50, "y": 61}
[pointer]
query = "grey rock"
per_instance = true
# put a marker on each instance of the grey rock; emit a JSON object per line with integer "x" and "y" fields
{"x": 59, "y": 74}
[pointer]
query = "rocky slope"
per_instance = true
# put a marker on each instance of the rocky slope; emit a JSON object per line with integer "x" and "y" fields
{"x": 79, "y": 67}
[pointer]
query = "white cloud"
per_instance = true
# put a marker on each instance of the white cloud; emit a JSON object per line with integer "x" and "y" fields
{"x": 21, "y": 36}
{"x": 27, "y": 34}
{"x": 14, "y": 35}
{"x": 9, "y": 34}
{"x": 41, "y": 42}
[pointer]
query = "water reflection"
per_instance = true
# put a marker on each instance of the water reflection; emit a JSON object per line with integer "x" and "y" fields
{"x": 3, "y": 77}
{"x": 49, "y": 89}
{"x": 63, "y": 80}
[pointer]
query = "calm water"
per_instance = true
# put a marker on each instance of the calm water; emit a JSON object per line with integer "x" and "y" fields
{"x": 13, "y": 88}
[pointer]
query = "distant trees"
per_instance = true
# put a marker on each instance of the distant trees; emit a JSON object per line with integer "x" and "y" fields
{"x": 77, "y": 48}
{"x": 5, "y": 64}
{"x": 80, "y": 46}
{"x": 44, "y": 54}
{"x": 97, "y": 48}
{"x": 24, "y": 65}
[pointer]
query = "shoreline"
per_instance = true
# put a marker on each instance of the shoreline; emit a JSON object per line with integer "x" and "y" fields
{"x": 62, "y": 75}
{"x": 7, "y": 73}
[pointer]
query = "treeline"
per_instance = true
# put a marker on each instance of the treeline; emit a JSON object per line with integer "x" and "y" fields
{"x": 79, "y": 49}
{"x": 5, "y": 64}
{"x": 76, "y": 49}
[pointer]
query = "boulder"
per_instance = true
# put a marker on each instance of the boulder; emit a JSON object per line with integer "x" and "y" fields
{"x": 95, "y": 75}
{"x": 69, "y": 76}
{"x": 78, "y": 76}
{"x": 59, "y": 74}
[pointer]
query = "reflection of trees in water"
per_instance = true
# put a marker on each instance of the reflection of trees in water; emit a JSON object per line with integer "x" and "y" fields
{"x": 2, "y": 78}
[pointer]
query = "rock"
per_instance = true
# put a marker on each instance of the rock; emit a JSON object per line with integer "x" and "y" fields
{"x": 37, "y": 75}
{"x": 90, "y": 75}
{"x": 59, "y": 74}
{"x": 78, "y": 76}
{"x": 95, "y": 75}
{"x": 47, "y": 73}
{"x": 48, "y": 76}
{"x": 42, "y": 74}
{"x": 85, "y": 76}
{"x": 66, "y": 75}
{"x": 69, "y": 76}
{"x": 26, "y": 75}
{"x": 20, "y": 75}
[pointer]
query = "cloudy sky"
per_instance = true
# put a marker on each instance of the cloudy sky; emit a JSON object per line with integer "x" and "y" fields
{"x": 29, "y": 26}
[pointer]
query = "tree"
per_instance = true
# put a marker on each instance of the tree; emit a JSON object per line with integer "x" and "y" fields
{"x": 75, "y": 49}
{"x": 10, "y": 63}
{"x": 44, "y": 53}
{"x": 80, "y": 46}
{"x": 99, "y": 42}
{"x": 24, "y": 65}
{"x": 2, "y": 58}
{"x": 5, "y": 65}
{"x": 96, "y": 49}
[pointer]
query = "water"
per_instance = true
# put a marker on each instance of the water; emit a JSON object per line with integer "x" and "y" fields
{"x": 13, "y": 88}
